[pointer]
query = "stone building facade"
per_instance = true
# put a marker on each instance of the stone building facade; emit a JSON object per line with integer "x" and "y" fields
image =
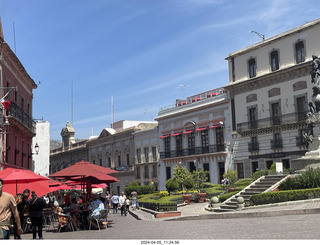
{"x": 196, "y": 134}
{"x": 70, "y": 152}
{"x": 147, "y": 157}
{"x": 270, "y": 86}
{"x": 114, "y": 148}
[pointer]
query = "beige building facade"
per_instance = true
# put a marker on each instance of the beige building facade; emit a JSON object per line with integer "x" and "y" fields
{"x": 270, "y": 87}
{"x": 147, "y": 157}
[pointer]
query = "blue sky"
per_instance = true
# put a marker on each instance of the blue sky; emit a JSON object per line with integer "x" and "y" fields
{"x": 138, "y": 51}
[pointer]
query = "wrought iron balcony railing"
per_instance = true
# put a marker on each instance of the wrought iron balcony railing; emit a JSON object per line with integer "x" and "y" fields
{"x": 272, "y": 121}
{"x": 18, "y": 114}
{"x": 253, "y": 146}
{"x": 276, "y": 144}
{"x": 193, "y": 151}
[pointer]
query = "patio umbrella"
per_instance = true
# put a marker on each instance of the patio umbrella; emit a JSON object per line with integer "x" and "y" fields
{"x": 88, "y": 173}
{"x": 17, "y": 180}
{"x": 53, "y": 182}
{"x": 60, "y": 187}
{"x": 82, "y": 168}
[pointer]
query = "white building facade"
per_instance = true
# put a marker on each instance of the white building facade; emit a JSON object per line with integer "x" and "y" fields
{"x": 41, "y": 160}
{"x": 195, "y": 134}
{"x": 270, "y": 87}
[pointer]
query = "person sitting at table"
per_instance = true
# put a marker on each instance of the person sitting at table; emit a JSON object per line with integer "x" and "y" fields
{"x": 63, "y": 220}
{"x": 74, "y": 212}
{"x": 95, "y": 208}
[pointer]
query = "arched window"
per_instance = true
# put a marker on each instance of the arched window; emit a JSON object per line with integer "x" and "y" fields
{"x": 274, "y": 60}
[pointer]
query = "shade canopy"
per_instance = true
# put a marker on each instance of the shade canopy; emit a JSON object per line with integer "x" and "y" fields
{"x": 17, "y": 180}
{"x": 84, "y": 169}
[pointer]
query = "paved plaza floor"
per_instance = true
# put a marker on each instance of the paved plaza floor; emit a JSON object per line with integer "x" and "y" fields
{"x": 299, "y": 220}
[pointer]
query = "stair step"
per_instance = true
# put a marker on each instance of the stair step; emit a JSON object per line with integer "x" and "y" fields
{"x": 221, "y": 210}
{"x": 225, "y": 206}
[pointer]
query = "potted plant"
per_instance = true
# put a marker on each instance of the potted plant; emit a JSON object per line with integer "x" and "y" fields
{"x": 199, "y": 178}
{"x": 231, "y": 175}
{"x": 184, "y": 178}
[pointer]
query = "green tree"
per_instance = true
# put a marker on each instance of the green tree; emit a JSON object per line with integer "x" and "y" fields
{"x": 199, "y": 177}
{"x": 182, "y": 176}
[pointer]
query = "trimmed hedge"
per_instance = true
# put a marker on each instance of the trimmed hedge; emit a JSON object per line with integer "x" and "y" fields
{"x": 284, "y": 196}
{"x": 141, "y": 190}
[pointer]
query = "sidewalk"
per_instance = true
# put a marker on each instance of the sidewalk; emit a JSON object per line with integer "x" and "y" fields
{"x": 196, "y": 211}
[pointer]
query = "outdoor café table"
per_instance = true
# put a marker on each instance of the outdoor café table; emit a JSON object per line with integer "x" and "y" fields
{"x": 83, "y": 218}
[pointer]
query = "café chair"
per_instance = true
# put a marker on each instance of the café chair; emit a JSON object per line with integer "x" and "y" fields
{"x": 103, "y": 215}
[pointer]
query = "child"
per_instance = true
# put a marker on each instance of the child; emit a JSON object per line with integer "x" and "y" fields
{"x": 127, "y": 205}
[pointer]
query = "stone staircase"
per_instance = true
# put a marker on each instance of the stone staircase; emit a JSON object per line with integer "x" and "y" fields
{"x": 261, "y": 185}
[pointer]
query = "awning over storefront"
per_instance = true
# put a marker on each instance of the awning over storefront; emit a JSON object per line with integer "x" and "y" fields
{"x": 201, "y": 129}
{"x": 216, "y": 126}
{"x": 188, "y": 132}
{"x": 164, "y": 136}
{"x": 175, "y": 134}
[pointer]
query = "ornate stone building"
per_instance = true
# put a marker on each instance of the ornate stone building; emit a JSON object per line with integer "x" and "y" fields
{"x": 195, "y": 134}
{"x": 269, "y": 86}
{"x": 70, "y": 152}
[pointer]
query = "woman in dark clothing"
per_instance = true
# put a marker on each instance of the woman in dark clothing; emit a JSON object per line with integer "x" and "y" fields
{"x": 21, "y": 200}
{"x": 36, "y": 206}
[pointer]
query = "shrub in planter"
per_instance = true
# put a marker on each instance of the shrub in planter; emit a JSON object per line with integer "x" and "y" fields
{"x": 163, "y": 193}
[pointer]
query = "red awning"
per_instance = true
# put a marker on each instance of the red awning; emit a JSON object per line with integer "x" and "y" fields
{"x": 216, "y": 126}
{"x": 164, "y": 136}
{"x": 175, "y": 134}
{"x": 201, "y": 129}
{"x": 188, "y": 132}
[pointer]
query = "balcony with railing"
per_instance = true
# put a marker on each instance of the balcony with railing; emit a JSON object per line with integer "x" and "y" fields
{"x": 253, "y": 146}
{"x": 272, "y": 121}
{"x": 193, "y": 151}
{"x": 19, "y": 115}
{"x": 276, "y": 144}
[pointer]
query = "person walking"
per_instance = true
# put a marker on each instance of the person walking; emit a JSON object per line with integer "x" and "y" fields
{"x": 36, "y": 206}
{"x": 134, "y": 198}
{"x": 8, "y": 207}
{"x": 108, "y": 201}
{"x": 115, "y": 202}
{"x": 122, "y": 203}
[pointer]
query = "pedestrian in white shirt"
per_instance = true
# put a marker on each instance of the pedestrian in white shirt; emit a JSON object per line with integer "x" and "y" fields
{"x": 122, "y": 203}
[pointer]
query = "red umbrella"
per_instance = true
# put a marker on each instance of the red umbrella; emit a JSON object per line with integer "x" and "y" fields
{"x": 82, "y": 168}
{"x": 17, "y": 180}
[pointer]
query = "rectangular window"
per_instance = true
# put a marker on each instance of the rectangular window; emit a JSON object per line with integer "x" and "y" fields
{"x": 168, "y": 173}
{"x": 154, "y": 154}
{"x": 100, "y": 161}
{"x": 146, "y": 154}
{"x": 146, "y": 172}
{"x": 275, "y": 113}
{"x": 128, "y": 159}
{"x": 300, "y": 52}
{"x": 252, "y": 68}
{"x": 167, "y": 144}
{"x": 255, "y": 166}
{"x": 139, "y": 155}
{"x": 119, "y": 160}
{"x": 138, "y": 173}
{"x": 274, "y": 60}
{"x": 220, "y": 139}
{"x": 179, "y": 145}
{"x": 254, "y": 144}
{"x": 154, "y": 171}
{"x": 109, "y": 162}
{"x": 191, "y": 143}
{"x": 253, "y": 117}
{"x": 301, "y": 108}
{"x": 206, "y": 168}
{"x": 205, "y": 141}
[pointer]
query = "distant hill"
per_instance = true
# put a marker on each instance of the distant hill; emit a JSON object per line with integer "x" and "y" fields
{"x": 54, "y": 144}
